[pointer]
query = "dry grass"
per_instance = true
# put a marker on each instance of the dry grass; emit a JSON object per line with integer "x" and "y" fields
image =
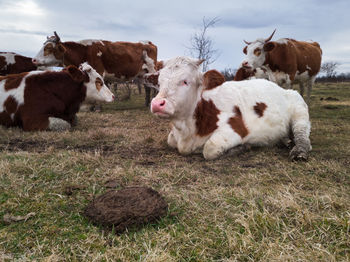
{"x": 257, "y": 206}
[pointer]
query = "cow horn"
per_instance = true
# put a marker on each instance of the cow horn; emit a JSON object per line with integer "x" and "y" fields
{"x": 268, "y": 39}
{"x": 57, "y": 37}
{"x": 248, "y": 43}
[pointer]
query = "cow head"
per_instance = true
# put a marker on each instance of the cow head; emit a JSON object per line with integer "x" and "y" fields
{"x": 96, "y": 90}
{"x": 151, "y": 79}
{"x": 52, "y": 52}
{"x": 256, "y": 51}
{"x": 179, "y": 83}
{"x": 244, "y": 73}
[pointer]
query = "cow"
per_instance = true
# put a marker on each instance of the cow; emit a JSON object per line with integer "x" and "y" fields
{"x": 12, "y": 63}
{"x": 151, "y": 79}
{"x": 115, "y": 61}
{"x": 49, "y": 100}
{"x": 289, "y": 61}
{"x": 206, "y": 112}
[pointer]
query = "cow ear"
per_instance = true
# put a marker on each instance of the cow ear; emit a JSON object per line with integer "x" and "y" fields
{"x": 76, "y": 74}
{"x": 199, "y": 62}
{"x": 61, "y": 48}
{"x": 245, "y": 49}
{"x": 269, "y": 46}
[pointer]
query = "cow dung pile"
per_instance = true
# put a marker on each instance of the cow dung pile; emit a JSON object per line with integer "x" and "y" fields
{"x": 130, "y": 207}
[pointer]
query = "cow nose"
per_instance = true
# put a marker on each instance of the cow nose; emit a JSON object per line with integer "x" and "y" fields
{"x": 158, "y": 105}
{"x": 113, "y": 97}
{"x": 245, "y": 64}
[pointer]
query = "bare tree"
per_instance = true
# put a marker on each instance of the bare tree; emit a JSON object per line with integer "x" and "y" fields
{"x": 202, "y": 45}
{"x": 329, "y": 68}
{"x": 229, "y": 73}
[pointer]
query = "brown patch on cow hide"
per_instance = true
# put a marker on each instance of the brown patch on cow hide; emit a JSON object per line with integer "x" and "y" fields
{"x": 259, "y": 109}
{"x": 237, "y": 123}
{"x": 206, "y": 115}
{"x": 257, "y": 51}
{"x": 99, "y": 84}
{"x": 152, "y": 79}
{"x": 212, "y": 79}
{"x": 13, "y": 81}
{"x": 10, "y": 105}
{"x": 159, "y": 65}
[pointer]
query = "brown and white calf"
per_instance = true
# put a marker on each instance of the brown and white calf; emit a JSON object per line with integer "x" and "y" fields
{"x": 208, "y": 113}
{"x": 286, "y": 60}
{"x": 115, "y": 61}
{"x": 12, "y": 63}
{"x": 49, "y": 100}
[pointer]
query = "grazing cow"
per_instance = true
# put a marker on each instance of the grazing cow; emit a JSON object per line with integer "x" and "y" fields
{"x": 12, "y": 63}
{"x": 115, "y": 61}
{"x": 49, "y": 100}
{"x": 206, "y": 111}
{"x": 288, "y": 61}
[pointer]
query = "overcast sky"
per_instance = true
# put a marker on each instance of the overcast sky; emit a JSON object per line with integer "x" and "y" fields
{"x": 170, "y": 24}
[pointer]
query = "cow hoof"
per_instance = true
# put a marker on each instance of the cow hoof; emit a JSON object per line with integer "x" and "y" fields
{"x": 298, "y": 155}
{"x": 58, "y": 124}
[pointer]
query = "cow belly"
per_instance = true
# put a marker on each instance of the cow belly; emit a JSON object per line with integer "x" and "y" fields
{"x": 302, "y": 78}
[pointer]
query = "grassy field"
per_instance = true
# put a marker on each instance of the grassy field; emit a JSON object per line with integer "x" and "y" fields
{"x": 257, "y": 206}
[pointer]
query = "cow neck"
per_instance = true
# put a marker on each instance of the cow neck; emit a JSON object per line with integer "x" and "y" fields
{"x": 75, "y": 54}
{"x": 187, "y": 122}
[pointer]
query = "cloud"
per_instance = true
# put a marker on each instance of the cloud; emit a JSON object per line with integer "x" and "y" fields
{"x": 170, "y": 24}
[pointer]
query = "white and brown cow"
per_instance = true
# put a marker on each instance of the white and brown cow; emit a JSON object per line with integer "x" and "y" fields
{"x": 287, "y": 61}
{"x": 207, "y": 112}
{"x": 115, "y": 61}
{"x": 12, "y": 63}
{"x": 49, "y": 100}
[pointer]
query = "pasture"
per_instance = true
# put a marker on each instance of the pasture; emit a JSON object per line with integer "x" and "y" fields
{"x": 257, "y": 206}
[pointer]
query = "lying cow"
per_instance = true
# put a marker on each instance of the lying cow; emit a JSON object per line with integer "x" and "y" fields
{"x": 288, "y": 61}
{"x": 48, "y": 100}
{"x": 115, "y": 61}
{"x": 206, "y": 111}
{"x": 12, "y": 63}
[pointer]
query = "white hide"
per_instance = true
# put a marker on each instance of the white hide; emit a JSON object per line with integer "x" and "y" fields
{"x": 92, "y": 93}
{"x": 9, "y": 58}
{"x": 285, "y": 110}
{"x": 87, "y": 42}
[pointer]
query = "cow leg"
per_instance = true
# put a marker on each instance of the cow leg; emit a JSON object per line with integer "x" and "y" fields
{"x": 220, "y": 142}
{"x": 58, "y": 124}
{"x": 300, "y": 126}
{"x": 309, "y": 89}
{"x": 35, "y": 123}
{"x": 301, "y": 85}
{"x": 147, "y": 95}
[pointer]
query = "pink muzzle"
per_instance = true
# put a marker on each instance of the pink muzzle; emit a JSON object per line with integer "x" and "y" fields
{"x": 158, "y": 105}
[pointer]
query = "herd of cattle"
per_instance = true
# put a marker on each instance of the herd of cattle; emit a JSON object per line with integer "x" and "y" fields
{"x": 205, "y": 111}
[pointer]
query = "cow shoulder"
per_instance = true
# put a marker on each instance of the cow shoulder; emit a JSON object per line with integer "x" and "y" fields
{"x": 212, "y": 79}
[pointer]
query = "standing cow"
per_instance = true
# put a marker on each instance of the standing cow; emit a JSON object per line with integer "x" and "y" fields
{"x": 12, "y": 63}
{"x": 207, "y": 112}
{"x": 287, "y": 61}
{"x": 115, "y": 61}
{"x": 49, "y": 100}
